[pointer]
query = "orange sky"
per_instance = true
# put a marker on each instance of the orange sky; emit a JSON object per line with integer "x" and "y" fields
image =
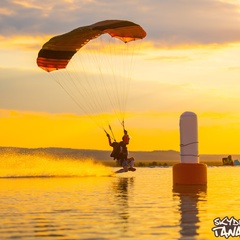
{"x": 33, "y": 130}
{"x": 192, "y": 64}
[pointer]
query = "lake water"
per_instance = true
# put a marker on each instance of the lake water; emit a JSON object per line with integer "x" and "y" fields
{"x": 133, "y": 205}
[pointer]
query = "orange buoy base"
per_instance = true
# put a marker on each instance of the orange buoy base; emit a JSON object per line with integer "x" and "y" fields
{"x": 190, "y": 173}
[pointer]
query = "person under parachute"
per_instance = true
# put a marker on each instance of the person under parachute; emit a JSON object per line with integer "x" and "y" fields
{"x": 120, "y": 152}
{"x": 58, "y": 54}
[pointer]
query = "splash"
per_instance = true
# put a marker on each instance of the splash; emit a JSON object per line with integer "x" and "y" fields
{"x": 29, "y": 165}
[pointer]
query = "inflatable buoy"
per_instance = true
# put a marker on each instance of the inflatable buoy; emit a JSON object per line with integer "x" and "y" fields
{"x": 190, "y": 173}
{"x": 189, "y": 170}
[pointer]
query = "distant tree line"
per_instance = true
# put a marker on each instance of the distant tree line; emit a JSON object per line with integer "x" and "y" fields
{"x": 151, "y": 164}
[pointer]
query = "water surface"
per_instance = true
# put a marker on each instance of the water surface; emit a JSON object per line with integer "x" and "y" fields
{"x": 133, "y": 205}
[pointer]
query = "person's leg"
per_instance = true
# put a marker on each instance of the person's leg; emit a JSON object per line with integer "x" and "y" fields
{"x": 131, "y": 162}
{"x": 125, "y": 165}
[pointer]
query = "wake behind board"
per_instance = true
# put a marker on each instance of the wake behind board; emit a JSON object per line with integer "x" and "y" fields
{"x": 122, "y": 170}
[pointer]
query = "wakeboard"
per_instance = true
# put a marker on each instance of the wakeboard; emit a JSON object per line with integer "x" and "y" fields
{"x": 122, "y": 170}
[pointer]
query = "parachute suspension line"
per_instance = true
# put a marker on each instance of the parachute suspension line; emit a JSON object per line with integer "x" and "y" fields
{"x": 88, "y": 88}
{"x": 112, "y": 137}
{"x": 61, "y": 81}
{"x": 112, "y": 133}
{"x": 114, "y": 95}
{"x": 117, "y": 87}
{"x": 120, "y": 50}
{"x": 73, "y": 91}
{"x": 89, "y": 95}
{"x": 125, "y": 81}
{"x": 123, "y": 125}
{"x": 96, "y": 57}
{"x": 132, "y": 48}
{"x": 84, "y": 86}
{"x": 130, "y": 52}
{"x": 116, "y": 61}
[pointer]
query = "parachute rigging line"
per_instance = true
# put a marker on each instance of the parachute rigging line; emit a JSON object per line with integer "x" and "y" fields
{"x": 93, "y": 66}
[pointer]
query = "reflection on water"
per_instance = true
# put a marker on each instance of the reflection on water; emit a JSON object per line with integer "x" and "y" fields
{"x": 121, "y": 193}
{"x": 189, "y": 197}
{"x": 134, "y": 205}
{"x": 51, "y": 207}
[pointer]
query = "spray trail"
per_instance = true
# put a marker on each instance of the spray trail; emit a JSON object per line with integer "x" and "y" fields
{"x": 28, "y": 165}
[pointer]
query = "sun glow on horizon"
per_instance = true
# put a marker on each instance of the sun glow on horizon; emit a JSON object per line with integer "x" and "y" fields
{"x": 166, "y": 81}
{"x": 150, "y": 131}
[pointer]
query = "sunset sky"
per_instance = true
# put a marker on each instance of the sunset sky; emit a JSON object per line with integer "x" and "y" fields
{"x": 189, "y": 61}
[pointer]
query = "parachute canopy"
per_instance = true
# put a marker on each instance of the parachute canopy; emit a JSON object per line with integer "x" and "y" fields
{"x": 58, "y": 51}
{"x": 95, "y": 69}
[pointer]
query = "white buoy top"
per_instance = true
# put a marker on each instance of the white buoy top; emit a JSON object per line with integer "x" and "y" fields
{"x": 189, "y": 138}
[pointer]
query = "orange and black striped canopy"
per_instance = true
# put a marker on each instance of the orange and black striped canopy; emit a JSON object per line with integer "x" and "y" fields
{"x": 58, "y": 51}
